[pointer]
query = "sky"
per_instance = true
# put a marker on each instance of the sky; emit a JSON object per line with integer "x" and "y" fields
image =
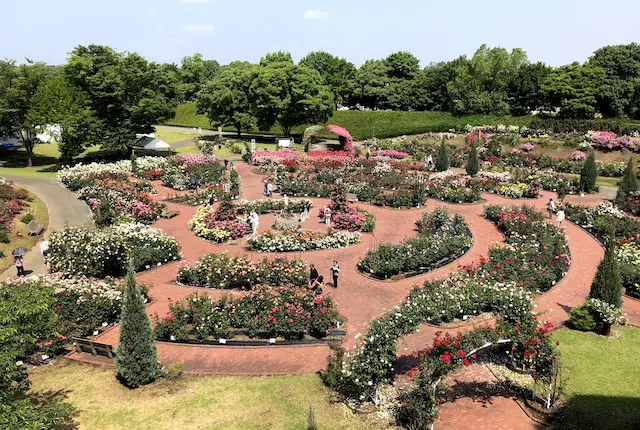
{"x": 554, "y": 31}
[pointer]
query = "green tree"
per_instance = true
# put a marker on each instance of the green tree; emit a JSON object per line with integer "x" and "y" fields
{"x": 525, "y": 92}
{"x": 127, "y": 93}
{"x": 58, "y": 102}
{"x": 574, "y": 89}
{"x": 336, "y": 72}
{"x": 473, "y": 163}
{"x": 589, "y": 173}
{"x": 26, "y": 318}
{"x": 370, "y": 86}
{"x": 621, "y": 65}
{"x": 290, "y": 95}
{"x": 137, "y": 358}
{"x": 629, "y": 182}
{"x": 19, "y": 87}
{"x": 480, "y": 85}
{"x": 607, "y": 284}
{"x": 226, "y": 99}
{"x": 195, "y": 71}
{"x": 442, "y": 157}
{"x": 402, "y": 65}
{"x": 276, "y": 57}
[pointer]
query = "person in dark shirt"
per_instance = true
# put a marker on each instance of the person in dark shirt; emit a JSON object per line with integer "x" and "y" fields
{"x": 313, "y": 275}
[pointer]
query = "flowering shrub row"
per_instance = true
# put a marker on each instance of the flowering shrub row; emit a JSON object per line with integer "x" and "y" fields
{"x": 519, "y": 190}
{"x": 345, "y": 216}
{"x": 440, "y": 240}
{"x": 79, "y": 250}
{"x": 287, "y": 312}
{"x": 12, "y": 201}
{"x": 301, "y": 241}
{"x": 74, "y": 177}
{"x": 224, "y": 272}
{"x": 263, "y": 206}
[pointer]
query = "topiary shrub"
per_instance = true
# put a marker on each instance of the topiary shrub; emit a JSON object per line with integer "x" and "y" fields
{"x": 607, "y": 284}
{"x": 442, "y": 158}
{"x": 473, "y": 164}
{"x": 27, "y": 218}
{"x": 629, "y": 182}
{"x": 582, "y": 318}
{"x": 137, "y": 358}
{"x": 589, "y": 174}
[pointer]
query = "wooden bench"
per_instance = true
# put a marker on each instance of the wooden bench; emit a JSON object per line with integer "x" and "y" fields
{"x": 169, "y": 213}
{"x": 352, "y": 198}
{"x": 34, "y": 228}
{"x": 95, "y": 348}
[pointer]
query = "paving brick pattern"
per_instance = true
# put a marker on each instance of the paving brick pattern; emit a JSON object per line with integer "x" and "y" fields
{"x": 359, "y": 298}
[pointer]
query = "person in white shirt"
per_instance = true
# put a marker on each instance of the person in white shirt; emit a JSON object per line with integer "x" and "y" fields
{"x": 335, "y": 272}
{"x": 44, "y": 250}
{"x": 560, "y": 217}
{"x": 286, "y": 201}
{"x": 551, "y": 208}
{"x": 327, "y": 216}
{"x": 255, "y": 222}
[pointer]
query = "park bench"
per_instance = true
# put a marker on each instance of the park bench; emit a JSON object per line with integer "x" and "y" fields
{"x": 95, "y": 348}
{"x": 169, "y": 213}
{"x": 352, "y": 198}
{"x": 34, "y": 228}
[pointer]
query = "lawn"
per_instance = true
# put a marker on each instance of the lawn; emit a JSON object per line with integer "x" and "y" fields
{"x": 196, "y": 402}
{"x": 363, "y": 125}
{"x": 602, "y": 379}
{"x": 19, "y": 234}
{"x": 173, "y": 136}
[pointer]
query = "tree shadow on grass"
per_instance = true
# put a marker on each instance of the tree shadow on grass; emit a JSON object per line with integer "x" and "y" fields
{"x": 14, "y": 157}
{"x": 53, "y": 403}
{"x": 584, "y": 412}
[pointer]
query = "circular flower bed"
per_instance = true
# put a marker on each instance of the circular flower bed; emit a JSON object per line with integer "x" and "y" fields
{"x": 440, "y": 240}
{"x": 219, "y": 225}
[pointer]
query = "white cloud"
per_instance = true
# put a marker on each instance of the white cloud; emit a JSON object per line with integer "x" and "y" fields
{"x": 316, "y": 14}
{"x": 196, "y": 1}
{"x": 197, "y": 28}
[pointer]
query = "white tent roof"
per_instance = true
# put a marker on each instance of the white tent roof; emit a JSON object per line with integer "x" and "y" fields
{"x": 153, "y": 143}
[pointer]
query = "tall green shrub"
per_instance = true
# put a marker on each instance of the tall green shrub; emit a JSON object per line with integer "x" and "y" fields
{"x": 473, "y": 164}
{"x": 589, "y": 174}
{"x": 629, "y": 182}
{"x": 607, "y": 284}
{"x": 137, "y": 358}
{"x": 442, "y": 158}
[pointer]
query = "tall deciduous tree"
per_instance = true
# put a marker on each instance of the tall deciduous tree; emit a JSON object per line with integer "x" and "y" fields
{"x": 336, "y": 72}
{"x": 127, "y": 93}
{"x": 574, "y": 89}
{"x": 195, "y": 72}
{"x": 370, "y": 87}
{"x": 58, "y": 102}
{"x": 19, "y": 86}
{"x": 290, "y": 95}
{"x": 226, "y": 99}
{"x": 136, "y": 358}
{"x": 525, "y": 93}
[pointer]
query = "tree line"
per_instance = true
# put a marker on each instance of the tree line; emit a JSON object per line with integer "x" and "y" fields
{"x": 104, "y": 96}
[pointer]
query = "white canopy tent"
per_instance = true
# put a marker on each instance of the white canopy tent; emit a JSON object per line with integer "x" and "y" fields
{"x": 153, "y": 143}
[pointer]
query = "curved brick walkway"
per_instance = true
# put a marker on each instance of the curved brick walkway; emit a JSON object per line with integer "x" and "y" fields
{"x": 359, "y": 298}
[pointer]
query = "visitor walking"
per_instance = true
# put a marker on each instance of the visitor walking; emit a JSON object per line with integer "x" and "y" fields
{"x": 560, "y": 217}
{"x": 286, "y": 201}
{"x": 266, "y": 188}
{"x": 313, "y": 274}
{"x": 269, "y": 189}
{"x": 20, "y": 265}
{"x": 44, "y": 250}
{"x": 551, "y": 208}
{"x": 430, "y": 162}
{"x": 327, "y": 216}
{"x": 335, "y": 272}
{"x": 255, "y": 222}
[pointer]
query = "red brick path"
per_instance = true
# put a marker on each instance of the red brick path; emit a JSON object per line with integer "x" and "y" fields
{"x": 358, "y": 298}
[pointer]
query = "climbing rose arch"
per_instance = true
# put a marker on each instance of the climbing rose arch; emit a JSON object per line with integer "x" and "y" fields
{"x": 344, "y": 136}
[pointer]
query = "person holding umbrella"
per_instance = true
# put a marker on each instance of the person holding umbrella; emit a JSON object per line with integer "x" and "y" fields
{"x": 18, "y": 254}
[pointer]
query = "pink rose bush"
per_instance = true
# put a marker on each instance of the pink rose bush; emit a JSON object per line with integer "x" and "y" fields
{"x": 392, "y": 153}
{"x": 578, "y": 156}
{"x": 527, "y": 147}
{"x": 609, "y": 141}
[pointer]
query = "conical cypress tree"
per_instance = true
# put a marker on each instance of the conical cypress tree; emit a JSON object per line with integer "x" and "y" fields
{"x": 607, "y": 285}
{"x": 473, "y": 164}
{"x": 442, "y": 158}
{"x": 629, "y": 182}
{"x": 136, "y": 358}
{"x": 589, "y": 174}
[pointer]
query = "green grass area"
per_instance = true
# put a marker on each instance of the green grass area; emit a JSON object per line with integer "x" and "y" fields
{"x": 172, "y": 136}
{"x": 196, "y": 402}
{"x": 19, "y": 234}
{"x": 363, "y": 125}
{"x": 602, "y": 379}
